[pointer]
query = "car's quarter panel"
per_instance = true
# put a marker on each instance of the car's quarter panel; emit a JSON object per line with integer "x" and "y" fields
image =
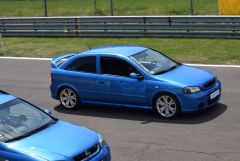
{"x": 82, "y": 83}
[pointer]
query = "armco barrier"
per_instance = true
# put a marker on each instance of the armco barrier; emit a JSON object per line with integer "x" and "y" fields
{"x": 123, "y": 26}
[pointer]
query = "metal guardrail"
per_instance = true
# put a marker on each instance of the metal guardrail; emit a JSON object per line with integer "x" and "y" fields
{"x": 123, "y": 26}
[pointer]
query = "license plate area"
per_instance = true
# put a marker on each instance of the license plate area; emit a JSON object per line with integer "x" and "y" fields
{"x": 214, "y": 94}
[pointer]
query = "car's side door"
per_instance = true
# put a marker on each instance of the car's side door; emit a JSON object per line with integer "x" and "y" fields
{"x": 81, "y": 73}
{"x": 122, "y": 89}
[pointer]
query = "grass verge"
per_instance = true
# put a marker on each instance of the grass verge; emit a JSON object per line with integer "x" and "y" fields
{"x": 13, "y": 8}
{"x": 214, "y": 51}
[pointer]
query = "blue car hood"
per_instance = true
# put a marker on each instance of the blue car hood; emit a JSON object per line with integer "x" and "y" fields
{"x": 186, "y": 76}
{"x": 58, "y": 142}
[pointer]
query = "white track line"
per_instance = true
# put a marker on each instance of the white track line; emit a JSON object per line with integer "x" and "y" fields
{"x": 200, "y": 65}
{"x": 25, "y": 58}
{"x": 215, "y": 65}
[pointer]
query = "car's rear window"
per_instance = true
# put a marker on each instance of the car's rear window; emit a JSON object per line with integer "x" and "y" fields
{"x": 83, "y": 64}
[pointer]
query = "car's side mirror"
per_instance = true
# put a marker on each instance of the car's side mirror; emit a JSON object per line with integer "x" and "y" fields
{"x": 48, "y": 111}
{"x": 136, "y": 76}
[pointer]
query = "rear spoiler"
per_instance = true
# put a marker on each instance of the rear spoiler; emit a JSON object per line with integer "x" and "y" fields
{"x": 55, "y": 61}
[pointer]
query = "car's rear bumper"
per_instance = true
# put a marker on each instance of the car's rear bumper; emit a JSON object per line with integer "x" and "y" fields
{"x": 200, "y": 101}
{"x": 53, "y": 91}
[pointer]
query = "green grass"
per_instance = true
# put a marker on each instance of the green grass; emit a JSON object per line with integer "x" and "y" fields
{"x": 13, "y": 8}
{"x": 215, "y": 51}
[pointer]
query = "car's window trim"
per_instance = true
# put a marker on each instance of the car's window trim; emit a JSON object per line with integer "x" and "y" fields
{"x": 119, "y": 76}
{"x": 75, "y": 71}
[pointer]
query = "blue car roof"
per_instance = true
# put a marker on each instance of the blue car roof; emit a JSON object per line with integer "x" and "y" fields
{"x": 5, "y": 98}
{"x": 125, "y": 50}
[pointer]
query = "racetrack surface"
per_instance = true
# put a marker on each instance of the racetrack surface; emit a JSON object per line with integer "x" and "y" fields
{"x": 137, "y": 135}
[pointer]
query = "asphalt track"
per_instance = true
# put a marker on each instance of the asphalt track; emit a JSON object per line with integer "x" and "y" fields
{"x": 136, "y": 135}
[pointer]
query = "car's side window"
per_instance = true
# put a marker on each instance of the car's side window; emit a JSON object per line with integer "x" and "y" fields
{"x": 83, "y": 64}
{"x": 116, "y": 66}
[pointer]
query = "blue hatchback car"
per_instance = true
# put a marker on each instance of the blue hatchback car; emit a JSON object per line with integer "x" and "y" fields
{"x": 132, "y": 76}
{"x": 29, "y": 134}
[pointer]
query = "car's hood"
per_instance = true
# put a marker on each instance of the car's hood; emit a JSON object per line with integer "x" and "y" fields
{"x": 187, "y": 76}
{"x": 57, "y": 142}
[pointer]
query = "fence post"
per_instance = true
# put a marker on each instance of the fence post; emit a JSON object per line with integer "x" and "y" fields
{"x": 95, "y": 6}
{"x": 191, "y": 7}
{"x": 2, "y": 47}
{"x": 45, "y": 8}
{"x": 111, "y": 7}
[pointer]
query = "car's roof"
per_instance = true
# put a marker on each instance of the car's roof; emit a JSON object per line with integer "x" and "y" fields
{"x": 125, "y": 50}
{"x": 5, "y": 98}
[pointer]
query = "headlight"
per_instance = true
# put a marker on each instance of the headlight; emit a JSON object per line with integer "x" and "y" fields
{"x": 189, "y": 90}
{"x": 101, "y": 140}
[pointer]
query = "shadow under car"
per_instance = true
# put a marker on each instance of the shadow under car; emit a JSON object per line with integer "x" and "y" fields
{"x": 145, "y": 116}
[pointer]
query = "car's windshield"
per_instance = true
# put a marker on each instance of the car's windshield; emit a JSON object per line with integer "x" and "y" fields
{"x": 19, "y": 119}
{"x": 154, "y": 62}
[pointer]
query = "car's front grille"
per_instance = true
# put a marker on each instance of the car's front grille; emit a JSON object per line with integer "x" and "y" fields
{"x": 87, "y": 153}
{"x": 210, "y": 83}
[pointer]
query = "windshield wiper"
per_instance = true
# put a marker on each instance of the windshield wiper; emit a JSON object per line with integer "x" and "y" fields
{"x": 32, "y": 132}
{"x": 167, "y": 70}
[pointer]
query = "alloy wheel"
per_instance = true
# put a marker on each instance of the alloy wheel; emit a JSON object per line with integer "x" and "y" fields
{"x": 68, "y": 98}
{"x": 166, "y": 106}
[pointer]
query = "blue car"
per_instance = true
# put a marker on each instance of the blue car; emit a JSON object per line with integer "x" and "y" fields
{"x": 132, "y": 76}
{"x": 28, "y": 133}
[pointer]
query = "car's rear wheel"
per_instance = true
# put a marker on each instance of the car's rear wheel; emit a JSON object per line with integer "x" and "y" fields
{"x": 68, "y": 98}
{"x": 166, "y": 105}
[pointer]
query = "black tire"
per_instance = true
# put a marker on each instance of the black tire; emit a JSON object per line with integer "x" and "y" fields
{"x": 68, "y": 98}
{"x": 166, "y": 105}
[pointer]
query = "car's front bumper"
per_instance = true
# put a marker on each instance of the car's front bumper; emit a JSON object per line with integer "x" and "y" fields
{"x": 200, "y": 101}
{"x": 103, "y": 155}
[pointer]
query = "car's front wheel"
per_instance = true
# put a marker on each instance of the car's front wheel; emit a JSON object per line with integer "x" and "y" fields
{"x": 68, "y": 98}
{"x": 166, "y": 106}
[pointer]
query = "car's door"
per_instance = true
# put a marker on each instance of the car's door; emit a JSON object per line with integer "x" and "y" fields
{"x": 82, "y": 73}
{"x": 122, "y": 89}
